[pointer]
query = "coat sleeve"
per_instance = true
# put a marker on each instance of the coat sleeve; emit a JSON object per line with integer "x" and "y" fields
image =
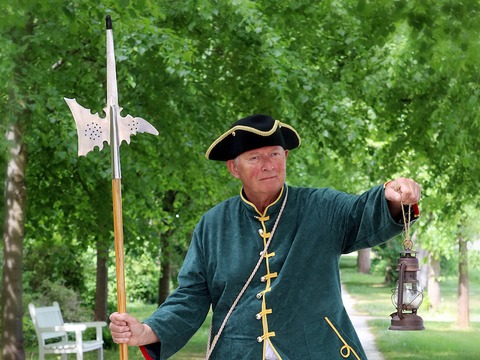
{"x": 365, "y": 219}
{"x": 184, "y": 311}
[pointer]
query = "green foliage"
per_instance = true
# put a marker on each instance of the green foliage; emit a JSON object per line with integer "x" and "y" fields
{"x": 385, "y": 260}
{"x": 69, "y": 300}
{"x": 142, "y": 278}
{"x": 45, "y": 294}
{"x": 376, "y": 90}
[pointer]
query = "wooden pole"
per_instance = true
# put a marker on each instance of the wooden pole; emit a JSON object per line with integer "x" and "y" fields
{"x": 119, "y": 254}
{"x": 90, "y": 137}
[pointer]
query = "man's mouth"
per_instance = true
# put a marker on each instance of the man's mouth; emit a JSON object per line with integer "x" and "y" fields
{"x": 268, "y": 178}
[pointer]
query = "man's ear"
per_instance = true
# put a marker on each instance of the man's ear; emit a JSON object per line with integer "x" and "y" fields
{"x": 232, "y": 167}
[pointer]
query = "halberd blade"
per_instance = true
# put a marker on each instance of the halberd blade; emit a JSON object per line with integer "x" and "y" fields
{"x": 130, "y": 125}
{"x": 92, "y": 130}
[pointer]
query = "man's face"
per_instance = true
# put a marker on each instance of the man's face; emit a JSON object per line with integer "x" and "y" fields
{"x": 262, "y": 171}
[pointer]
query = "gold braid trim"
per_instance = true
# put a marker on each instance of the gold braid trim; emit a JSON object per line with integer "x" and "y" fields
{"x": 347, "y": 348}
{"x": 274, "y": 128}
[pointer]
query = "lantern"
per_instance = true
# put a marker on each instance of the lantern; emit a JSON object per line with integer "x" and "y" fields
{"x": 408, "y": 295}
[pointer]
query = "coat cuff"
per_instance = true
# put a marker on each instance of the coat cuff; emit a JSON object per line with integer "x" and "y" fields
{"x": 151, "y": 351}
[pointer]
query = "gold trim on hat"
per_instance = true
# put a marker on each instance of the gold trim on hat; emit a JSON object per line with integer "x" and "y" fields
{"x": 277, "y": 124}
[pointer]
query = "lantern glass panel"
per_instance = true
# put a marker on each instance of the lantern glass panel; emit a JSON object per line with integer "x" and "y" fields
{"x": 412, "y": 295}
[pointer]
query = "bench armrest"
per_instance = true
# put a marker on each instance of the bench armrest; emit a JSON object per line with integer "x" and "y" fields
{"x": 95, "y": 324}
{"x": 91, "y": 324}
{"x": 64, "y": 327}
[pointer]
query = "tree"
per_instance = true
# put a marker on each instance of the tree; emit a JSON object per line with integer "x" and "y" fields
{"x": 363, "y": 261}
{"x": 431, "y": 74}
{"x": 19, "y": 114}
{"x": 15, "y": 197}
{"x": 463, "y": 309}
{"x": 434, "y": 289}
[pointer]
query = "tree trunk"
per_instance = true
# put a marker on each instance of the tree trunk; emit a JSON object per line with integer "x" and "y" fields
{"x": 463, "y": 307}
{"x": 101, "y": 289}
{"x": 165, "y": 260}
{"x": 13, "y": 234}
{"x": 434, "y": 291}
{"x": 423, "y": 274}
{"x": 363, "y": 261}
{"x": 164, "y": 281}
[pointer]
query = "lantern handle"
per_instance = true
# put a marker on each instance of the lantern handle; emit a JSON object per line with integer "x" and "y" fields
{"x": 402, "y": 268}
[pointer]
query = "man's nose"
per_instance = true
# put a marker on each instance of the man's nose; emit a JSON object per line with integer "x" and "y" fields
{"x": 267, "y": 164}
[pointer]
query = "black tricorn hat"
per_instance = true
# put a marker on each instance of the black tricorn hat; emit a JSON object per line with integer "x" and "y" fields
{"x": 250, "y": 133}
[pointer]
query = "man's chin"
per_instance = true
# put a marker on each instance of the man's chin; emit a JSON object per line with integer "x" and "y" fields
{"x": 272, "y": 186}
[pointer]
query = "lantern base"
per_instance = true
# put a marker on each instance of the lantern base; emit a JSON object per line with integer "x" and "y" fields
{"x": 409, "y": 322}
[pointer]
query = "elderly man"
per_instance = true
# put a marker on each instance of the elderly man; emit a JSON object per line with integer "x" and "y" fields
{"x": 266, "y": 261}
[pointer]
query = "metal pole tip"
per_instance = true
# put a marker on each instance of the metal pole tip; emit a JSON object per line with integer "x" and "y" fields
{"x": 108, "y": 21}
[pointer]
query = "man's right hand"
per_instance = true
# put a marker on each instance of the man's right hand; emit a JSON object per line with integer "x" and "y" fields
{"x": 125, "y": 329}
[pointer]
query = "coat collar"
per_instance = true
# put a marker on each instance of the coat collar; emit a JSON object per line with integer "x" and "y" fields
{"x": 273, "y": 208}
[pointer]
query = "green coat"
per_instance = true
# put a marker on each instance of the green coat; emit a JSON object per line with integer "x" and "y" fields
{"x": 294, "y": 301}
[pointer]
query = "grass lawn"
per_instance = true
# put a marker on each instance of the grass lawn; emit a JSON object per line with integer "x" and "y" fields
{"x": 441, "y": 339}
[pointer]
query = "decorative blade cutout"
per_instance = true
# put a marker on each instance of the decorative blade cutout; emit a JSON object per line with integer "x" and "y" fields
{"x": 93, "y": 131}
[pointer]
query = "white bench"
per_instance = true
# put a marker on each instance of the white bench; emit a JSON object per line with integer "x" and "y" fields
{"x": 52, "y": 333}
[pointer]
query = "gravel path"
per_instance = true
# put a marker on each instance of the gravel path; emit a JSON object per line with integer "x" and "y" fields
{"x": 360, "y": 323}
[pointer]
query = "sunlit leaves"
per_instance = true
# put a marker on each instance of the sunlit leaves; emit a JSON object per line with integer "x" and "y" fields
{"x": 376, "y": 90}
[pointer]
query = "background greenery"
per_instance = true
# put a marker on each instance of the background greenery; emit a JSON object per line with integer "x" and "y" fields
{"x": 441, "y": 339}
{"x": 376, "y": 90}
